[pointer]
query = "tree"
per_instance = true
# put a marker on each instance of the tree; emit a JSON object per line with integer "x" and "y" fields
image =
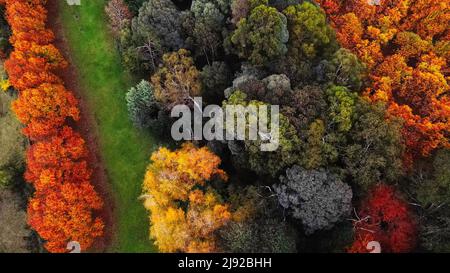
{"x": 307, "y": 104}
{"x": 385, "y": 218}
{"x": 434, "y": 229}
{"x": 266, "y": 162}
{"x": 318, "y": 198}
{"x": 215, "y": 78}
{"x": 318, "y": 152}
{"x": 178, "y": 80}
{"x": 44, "y": 109}
{"x": 119, "y": 15}
{"x": 162, "y": 19}
{"x": 310, "y": 35}
{"x": 66, "y": 214}
{"x": 143, "y": 108}
{"x": 257, "y": 225}
{"x": 431, "y": 185}
{"x": 400, "y": 43}
{"x": 59, "y": 159}
{"x": 241, "y": 8}
{"x": 341, "y": 107}
{"x": 181, "y": 177}
{"x": 63, "y": 206}
{"x": 140, "y": 52}
{"x": 262, "y": 36}
{"x": 375, "y": 147}
{"x": 343, "y": 69}
{"x": 209, "y": 18}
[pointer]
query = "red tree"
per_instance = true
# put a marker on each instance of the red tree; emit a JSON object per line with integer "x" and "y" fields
{"x": 385, "y": 218}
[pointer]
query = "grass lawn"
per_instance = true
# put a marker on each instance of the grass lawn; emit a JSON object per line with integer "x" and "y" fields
{"x": 125, "y": 150}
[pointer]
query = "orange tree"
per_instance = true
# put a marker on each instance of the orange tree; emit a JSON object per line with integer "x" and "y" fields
{"x": 405, "y": 45}
{"x": 65, "y": 204}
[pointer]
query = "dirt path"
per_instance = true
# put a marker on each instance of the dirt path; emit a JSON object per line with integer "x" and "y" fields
{"x": 88, "y": 128}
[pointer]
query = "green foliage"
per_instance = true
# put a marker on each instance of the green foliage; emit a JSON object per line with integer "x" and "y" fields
{"x": 266, "y": 162}
{"x": 434, "y": 189}
{"x": 135, "y": 5}
{"x": 162, "y": 19}
{"x": 6, "y": 178}
{"x": 140, "y": 51}
{"x": 143, "y": 108}
{"x": 262, "y": 228}
{"x": 375, "y": 147}
{"x": 435, "y": 230}
{"x": 343, "y": 69}
{"x": 317, "y": 151}
{"x": 215, "y": 79}
{"x": 155, "y": 30}
{"x": 262, "y": 36}
{"x": 310, "y": 35}
{"x": 204, "y": 25}
{"x": 341, "y": 107}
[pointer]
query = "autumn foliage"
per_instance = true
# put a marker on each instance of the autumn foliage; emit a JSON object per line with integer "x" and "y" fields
{"x": 385, "y": 218}
{"x": 180, "y": 177}
{"x": 65, "y": 204}
{"x": 405, "y": 47}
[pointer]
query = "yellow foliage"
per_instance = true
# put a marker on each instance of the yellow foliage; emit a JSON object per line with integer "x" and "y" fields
{"x": 170, "y": 182}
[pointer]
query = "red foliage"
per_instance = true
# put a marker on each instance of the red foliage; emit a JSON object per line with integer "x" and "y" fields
{"x": 384, "y": 218}
{"x": 65, "y": 203}
{"x": 61, "y": 158}
{"x": 64, "y": 214}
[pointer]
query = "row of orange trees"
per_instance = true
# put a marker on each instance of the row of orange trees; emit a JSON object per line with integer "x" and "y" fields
{"x": 65, "y": 205}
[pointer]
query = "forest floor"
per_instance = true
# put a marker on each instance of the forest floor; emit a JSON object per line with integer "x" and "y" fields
{"x": 101, "y": 83}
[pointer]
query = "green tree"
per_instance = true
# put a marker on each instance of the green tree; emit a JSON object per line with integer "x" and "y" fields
{"x": 267, "y": 162}
{"x": 262, "y": 36}
{"x": 215, "y": 78}
{"x": 343, "y": 69}
{"x": 341, "y": 107}
{"x": 310, "y": 35}
{"x": 258, "y": 225}
{"x": 375, "y": 147}
{"x": 204, "y": 25}
{"x": 143, "y": 108}
{"x": 318, "y": 152}
{"x": 162, "y": 19}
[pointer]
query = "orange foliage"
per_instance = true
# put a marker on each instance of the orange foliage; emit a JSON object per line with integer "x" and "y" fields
{"x": 64, "y": 214}
{"x": 45, "y": 109}
{"x": 59, "y": 158}
{"x": 405, "y": 46}
{"x": 64, "y": 205}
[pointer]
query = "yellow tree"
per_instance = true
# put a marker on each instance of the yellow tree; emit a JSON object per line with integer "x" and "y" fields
{"x": 184, "y": 211}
